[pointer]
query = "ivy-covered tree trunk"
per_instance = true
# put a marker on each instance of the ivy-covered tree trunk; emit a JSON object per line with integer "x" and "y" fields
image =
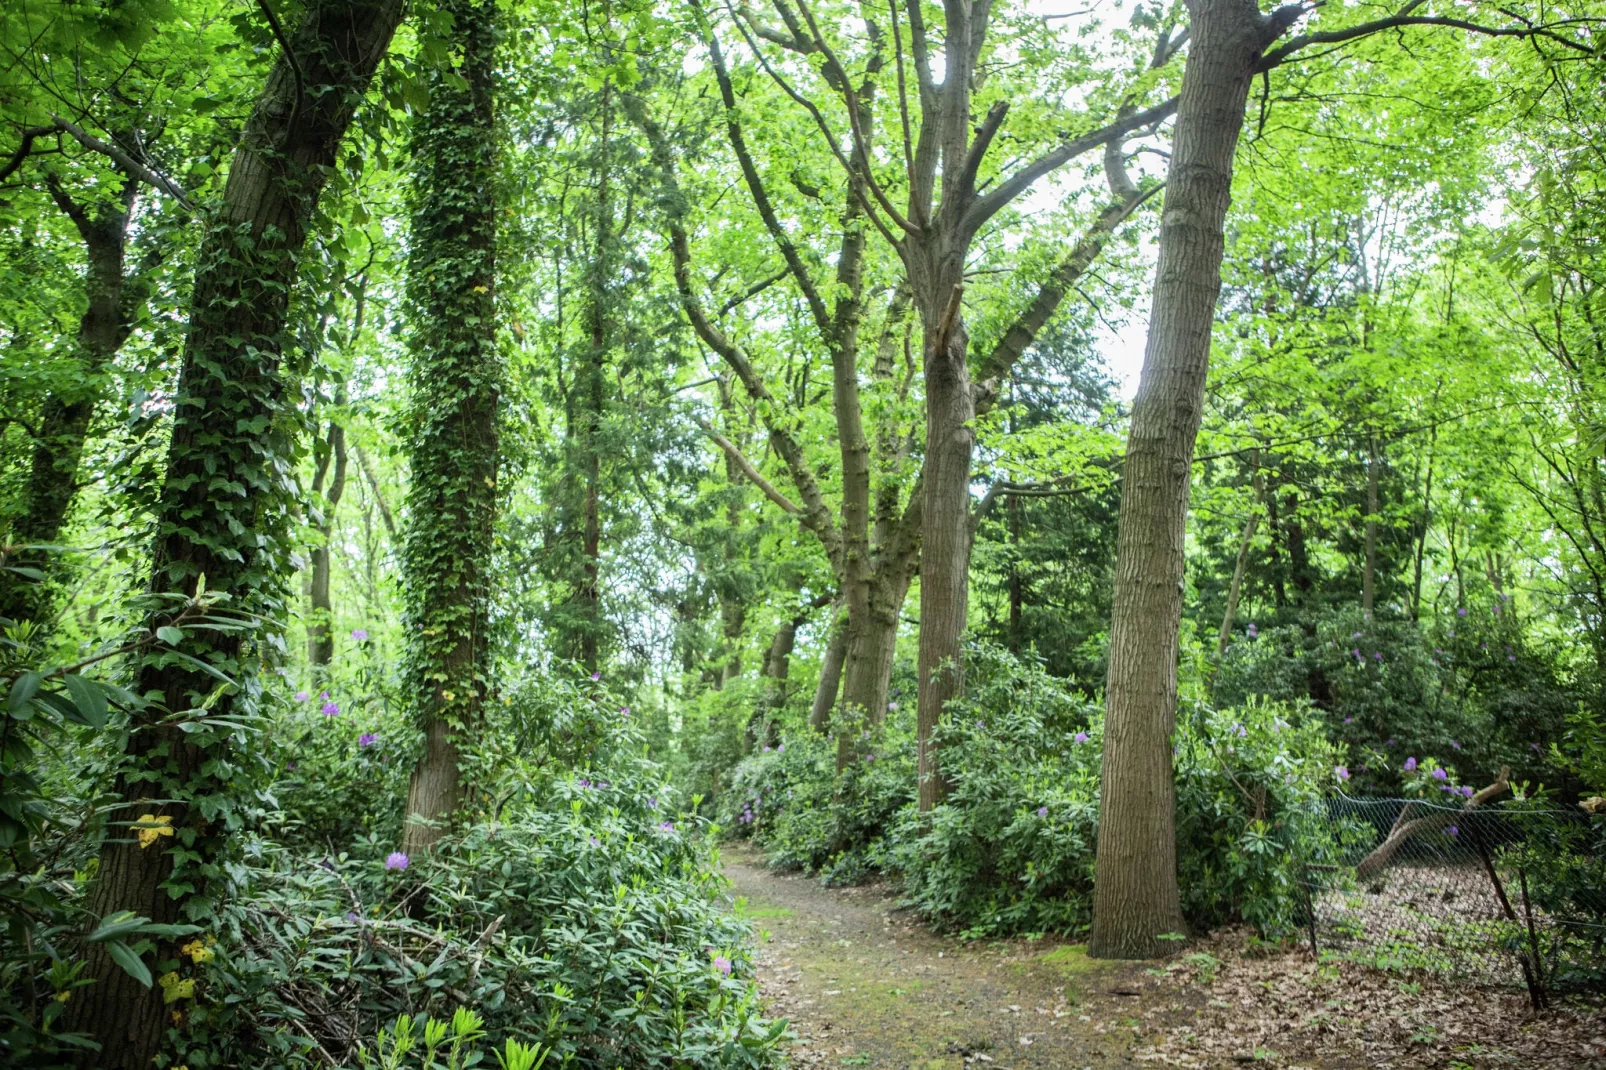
{"x": 1135, "y": 899}
{"x": 64, "y": 419}
{"x": 223, "y": 512}
{"x": 457, "y": 376}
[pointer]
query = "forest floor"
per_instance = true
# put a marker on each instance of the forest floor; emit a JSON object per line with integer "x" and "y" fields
{"x": 865, "y": 983}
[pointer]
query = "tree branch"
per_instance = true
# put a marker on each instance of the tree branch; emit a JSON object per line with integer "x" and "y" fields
{"x": 126, "y": 162}
{"x": 748, "y": 470}
{"x": 985, "y": 207}
{"x": 24, "y": 148}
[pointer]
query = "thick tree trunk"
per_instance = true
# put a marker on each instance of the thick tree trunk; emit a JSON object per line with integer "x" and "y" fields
{"x": 457, "y": 374}
{"x": 945, "y": 542}
{"x": 830, "y": 682}
{"x": 1135, "y": 899}
{"x": 223, "y": 511}
{"x": 64, "y": 420}
{"x": 872, "y": 643}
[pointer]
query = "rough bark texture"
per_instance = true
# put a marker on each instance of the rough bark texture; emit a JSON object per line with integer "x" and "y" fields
{"x": 1135, "y": 899}
{"x": 457, "y": 375}
{"x": 222, "y": 479}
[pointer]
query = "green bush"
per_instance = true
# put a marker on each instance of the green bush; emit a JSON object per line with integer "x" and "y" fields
{"x": 1011, "y": 848}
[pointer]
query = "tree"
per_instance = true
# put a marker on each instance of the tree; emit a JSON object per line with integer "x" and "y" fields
{"x": 1136, "y": 900}
{"x": 222, "y": 513}
{"x": 456, "y": 376}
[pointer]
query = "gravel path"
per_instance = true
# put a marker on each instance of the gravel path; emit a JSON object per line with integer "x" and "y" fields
{"x": 865, "y": 984}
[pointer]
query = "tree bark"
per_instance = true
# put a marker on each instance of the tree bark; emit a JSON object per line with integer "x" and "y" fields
{"x": 458, "y": 379}
{"x": 1135, "y": 898}
{"x": 65, "y": 416}
{"x": 223, "y": 511}
{"x": 830, "y": 682}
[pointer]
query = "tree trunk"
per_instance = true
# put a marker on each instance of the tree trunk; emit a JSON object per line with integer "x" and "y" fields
{"x": 872, "y": 643}
{"x": 830, "y": 683}
{"x": 320, "y": 615}
{"x": 1233, "y": 588}
{"x": 1135, "y": 898}
{"x": 592, "y": 400}
{"x": 223, "y": 511}
{"x": 1369, "y": 572}
{"x": 64, "y": 420}
{"x": 945, "y": 542}
{"x": 458, "y": 378}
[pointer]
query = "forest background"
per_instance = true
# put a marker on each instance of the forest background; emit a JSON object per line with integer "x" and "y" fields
{"x": 585, "y": 429}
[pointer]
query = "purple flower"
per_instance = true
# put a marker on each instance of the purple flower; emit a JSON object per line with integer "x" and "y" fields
{"x": 1511, "y": 658}
{"x": 596, "y": 676}
{"x": 766, "y": 750}
{"x": 289, "y": 767}
{"x": 367, "y": 739}
{"x": 1080, "y": 737}
{"x": 1535, "y": 746}
{"x": 302, "y": 696}
{"x": 892, "y": 705}
{"x": 330, "y": 709}
{"x": 1496, "y": 608}
{"x": 652, "y": 804}
{"x": 1440, "y": 774}
{"x": 1349, "y": 720}
{"x": 584, "y": 783}
{"x": 722, "y": 964}
{"x": 1452, "y": 831}
{"x": 1251, "y": 631}
{"x": 1355, "y": 635}
{"x": 324, "y": 695}
{"x": 780, "y": 748}
{"x": 1390, "y": 742}
{"x": 1466, "y": 789}
{"x": 359, "y": 634}
{"x": 1455, "y": 745}
{"x": 1357, "y": 655}
{"x": 624, "y": 711}
{"x": 1241, "y": 730}
{"x": 1461, "y": 612}
{"x": 1378, "y": 655}
{"x": 396, "y": 860}
{"x": 666, "y": 826}
{"x": 1042, "y": 811}
{"x": 352, "y": 917}
{"x": 1410, "y": 765}
{"x": 595, "y": 842}
{"x": 1341, "y": 771}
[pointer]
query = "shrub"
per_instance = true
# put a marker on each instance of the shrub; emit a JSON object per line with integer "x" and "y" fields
{"x": 790, "y": 801}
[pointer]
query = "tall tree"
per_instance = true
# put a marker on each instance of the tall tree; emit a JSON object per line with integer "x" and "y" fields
{"x": 222, "y": 515}
{"x": 1136, "y": 900}
{"x": 457, "y": 378}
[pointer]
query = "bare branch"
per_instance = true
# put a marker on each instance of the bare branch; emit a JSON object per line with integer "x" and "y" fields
{"x": 985, "y": 207}
{"x": 752, "y": 473}
{"x": 24, "y": 147}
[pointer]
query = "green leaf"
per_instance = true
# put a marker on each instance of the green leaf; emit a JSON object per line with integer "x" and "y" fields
{"x": 23, "y": 690}
{"x": 122, "y": 923}
{"x": 131, "y": 963}
{"x": 170, "y": 635}
{"x": 89, "y": 698}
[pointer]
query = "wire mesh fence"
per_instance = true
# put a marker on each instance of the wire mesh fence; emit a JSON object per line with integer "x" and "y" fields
{"x": 1502, "y": 894}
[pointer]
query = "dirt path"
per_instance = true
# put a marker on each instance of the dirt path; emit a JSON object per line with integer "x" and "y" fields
{"x": 865, "y": 984}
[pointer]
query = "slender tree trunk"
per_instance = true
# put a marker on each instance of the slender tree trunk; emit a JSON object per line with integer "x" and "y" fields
{"x": 1299, "y": 568}
{"x": 1369, "y": 571}
{"x": 1424, "y": 526}
{"x": 223, "y": 512}
{"x": 64, "y": 420}
{"x": 320, "y": 618}
{"x": 1017, "y": 588}
{"x": 458, "y": 378}
{"x": 1233, "y": 588}
{"x": 592, "y": 400}
{"x": 1135, "y": 899}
